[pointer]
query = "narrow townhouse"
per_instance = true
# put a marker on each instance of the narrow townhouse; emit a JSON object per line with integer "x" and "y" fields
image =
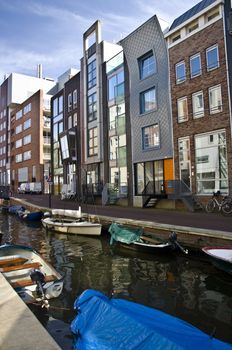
{"x": 201, "y": 107}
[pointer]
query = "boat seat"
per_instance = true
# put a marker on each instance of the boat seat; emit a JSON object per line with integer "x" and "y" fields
{"x": 12, "y": 261}
{"x": 29, "y": 282}
{"x": 20, "y": 267}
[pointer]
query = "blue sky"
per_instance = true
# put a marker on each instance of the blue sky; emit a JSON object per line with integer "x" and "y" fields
{"x": 50, "y": 31}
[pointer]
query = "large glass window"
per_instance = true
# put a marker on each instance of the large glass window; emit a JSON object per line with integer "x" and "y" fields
{"x": 92, "y": 107}
{"x": 64, "y": 147}
{"x": 150, "y": 137}
{"x": 27, "y": 139}
{"x": 198, "y": 104}
{"x": 92, "y": 142}
{"x": 116, "y": 86}
{"x": 69, "y": 102}
{"x": 212, "y": 58}
{"x": 75, "y": 99}
{"x": 91, "y": 74}
{"x": 182, "y": 109}
{"x": 148, "y": 100}
{"x": 180, "y": 72}
{"x": 18, "y": 128}
{"x": 215, "y": 99}
{"x": 147, "y": 65}
{"x": 18, "y": 143}
{"x": 195, "y": 65}
{"x": 211, "y": 162}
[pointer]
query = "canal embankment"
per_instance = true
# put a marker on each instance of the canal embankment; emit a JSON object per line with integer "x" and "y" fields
{"x": 194, "y": 230}
{"x": 19, "y": 328}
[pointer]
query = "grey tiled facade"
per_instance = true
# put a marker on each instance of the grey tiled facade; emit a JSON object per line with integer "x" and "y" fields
{"x": 149, "y": 37}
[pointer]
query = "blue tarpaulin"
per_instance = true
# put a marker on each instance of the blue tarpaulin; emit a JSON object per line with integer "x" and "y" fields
{"x": 114, "y": 324}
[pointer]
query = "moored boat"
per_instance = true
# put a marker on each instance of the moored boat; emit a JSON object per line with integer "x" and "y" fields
{"x": 220, "y": 257}
{"x": 108, "y": 323}
{"x": 29, "y": 274}
{"x": 30, "y": 216}
{"x": 71, "y": 221}
{"x": 136, "y": 239}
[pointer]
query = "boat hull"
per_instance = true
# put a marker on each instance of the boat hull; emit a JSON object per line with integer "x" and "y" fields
{"x": 146, "y": 248}
{"x": 73, "y": 227}
{"x": 221, "y": 258}
{"x": 19, "y": 275}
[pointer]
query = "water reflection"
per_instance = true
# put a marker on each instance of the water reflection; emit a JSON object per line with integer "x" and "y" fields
{"x": 189, "y": 288}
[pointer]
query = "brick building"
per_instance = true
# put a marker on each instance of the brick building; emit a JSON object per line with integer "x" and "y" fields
{"x": 201, "y": 111}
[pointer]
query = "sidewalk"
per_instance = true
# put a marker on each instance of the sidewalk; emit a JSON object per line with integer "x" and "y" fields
{"x": 199, "y": 220}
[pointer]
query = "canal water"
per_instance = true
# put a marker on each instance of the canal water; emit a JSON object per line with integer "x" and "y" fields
{"x": 188, "y": 287}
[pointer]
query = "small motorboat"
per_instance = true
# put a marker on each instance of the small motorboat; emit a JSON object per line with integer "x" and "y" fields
{"x": 136, "y": 239}
{"x": 108, "y": 323}
{"x": 71, "y": 221}
{"x": 29, "y": 274}
{"x": 220, "y": 257}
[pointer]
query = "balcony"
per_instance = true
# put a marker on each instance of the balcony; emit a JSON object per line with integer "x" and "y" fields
{"x": 47, "y": 141}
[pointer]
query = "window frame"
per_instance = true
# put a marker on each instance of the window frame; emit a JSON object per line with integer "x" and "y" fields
{"x": 150, "y": 146}
{"x": 200, "y": 114}
{"x": 179, "y": 80}
{"x": 143, "y": 109}
{"x": 142, "y": 70}
{"x": 219, "y": 107}
{"x": 182, "y": 119}
{"x": 192, "y": 75}
{"x": 211, "y": 48}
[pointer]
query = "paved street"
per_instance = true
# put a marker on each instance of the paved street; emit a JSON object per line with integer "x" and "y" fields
{"x": 172, "y": 217}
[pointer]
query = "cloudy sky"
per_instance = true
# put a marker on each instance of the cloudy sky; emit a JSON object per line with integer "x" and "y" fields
{"x": 50, "y": 31}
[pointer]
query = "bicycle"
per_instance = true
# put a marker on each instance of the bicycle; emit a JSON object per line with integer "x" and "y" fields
{"x": 224, "y": 206}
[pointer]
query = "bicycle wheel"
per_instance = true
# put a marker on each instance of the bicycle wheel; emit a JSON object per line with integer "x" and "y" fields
{"x": 227, "y": 208}
{"x": 210, "y": 206}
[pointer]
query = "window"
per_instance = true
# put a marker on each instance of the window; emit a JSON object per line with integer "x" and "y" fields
{"x": 70, "y": 122}
{"x": 180, "y": 72}
{"x": 18, "y": 158}
{"x": 147, "y": 65}
{"x": 75, "y": 99}
{"x": 27, "y": 155}
{"x": 27, "y": 139}
{"x": 18, "y": 143}
{"x": 27, "y": 124}
{"x": 211, "y": 162}
{"x": 19, "y": 114}
{"x": 92, "y": 107}
{"x": 182, "y": 109}
{"x": 55, "y": 107}
{"x": 184, "y": 160}
{"x": 75, "y": 119}
{"x": 18, "y": 129}
{"x": 211, "y": 15}
{"x": 69, "y": 102}
{"x": 150, "y": 137}
{"x": 192, "y": 27}
{"x": 116, "y": 86}
{"x": 198, "y": 104}
{"x": 176, "y": 37}
{"x": 195, "y": 65}
{"x": 27, "y": 109}
{"x": 215, "y": 99}
{"x": 64, "y": 147}
{"x": 212, "y": 58}
{"x": 92, "y": 142}
{"x": 61, "y": 104}
{"x": 91, "y": 74}
{"x": 148, "y": 100}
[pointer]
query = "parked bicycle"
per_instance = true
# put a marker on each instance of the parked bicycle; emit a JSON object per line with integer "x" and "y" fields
{"x": 215, "y": 204}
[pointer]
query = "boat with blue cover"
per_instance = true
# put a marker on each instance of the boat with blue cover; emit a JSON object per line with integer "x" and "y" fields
{"x": 31, "y": 216}
{"x": 104, "y": 323}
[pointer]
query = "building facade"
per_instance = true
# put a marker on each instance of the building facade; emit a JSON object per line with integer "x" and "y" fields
{"x": 201, "y": 111}
{"x": 30, "y": 141}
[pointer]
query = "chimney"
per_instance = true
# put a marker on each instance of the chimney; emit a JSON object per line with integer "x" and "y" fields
{"x": 39, "y": 71}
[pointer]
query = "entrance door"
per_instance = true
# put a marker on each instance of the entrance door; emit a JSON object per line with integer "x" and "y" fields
{"x": 185, "y": 161}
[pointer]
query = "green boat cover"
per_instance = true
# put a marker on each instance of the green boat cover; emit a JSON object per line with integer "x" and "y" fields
{"x": 124, "y": 234}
